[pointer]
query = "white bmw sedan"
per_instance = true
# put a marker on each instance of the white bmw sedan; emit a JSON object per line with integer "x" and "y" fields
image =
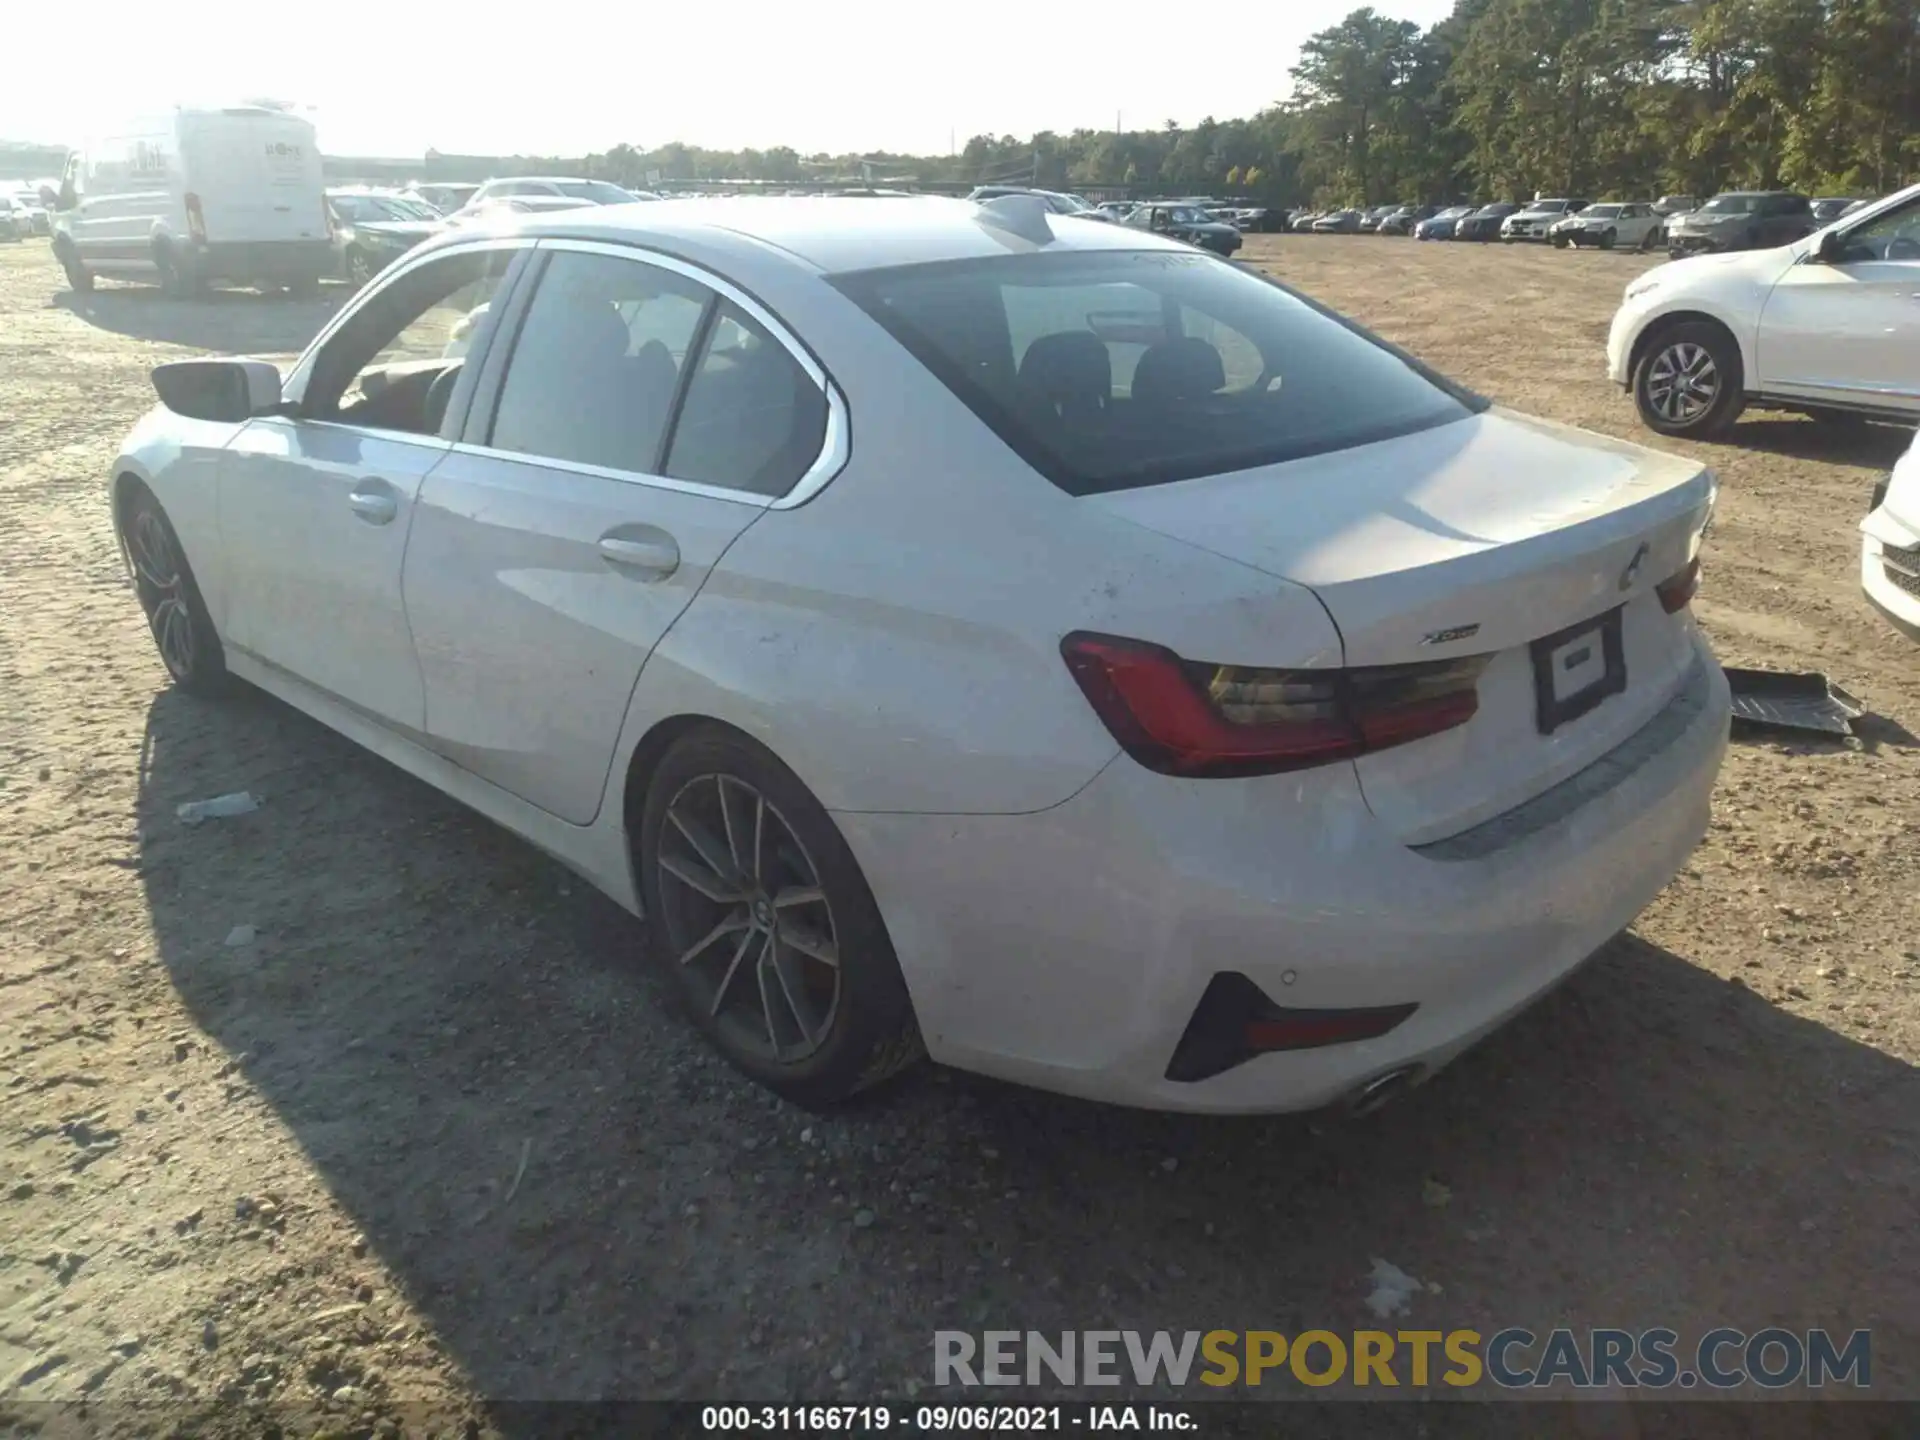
{"x": 965, "y": 631}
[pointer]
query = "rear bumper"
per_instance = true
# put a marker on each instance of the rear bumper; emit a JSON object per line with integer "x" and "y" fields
{"x": 1069, "y": 949}
{"x": 263, "y": 260}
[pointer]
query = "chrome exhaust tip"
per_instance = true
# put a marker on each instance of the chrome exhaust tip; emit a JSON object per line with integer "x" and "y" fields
{"x": 1382, "y": 1090}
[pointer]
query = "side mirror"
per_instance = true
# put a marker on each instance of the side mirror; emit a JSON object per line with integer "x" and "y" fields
{"x": 1833, "y": 245}
{"x": 224, "y": 391}
{"x": 66, "y": 200}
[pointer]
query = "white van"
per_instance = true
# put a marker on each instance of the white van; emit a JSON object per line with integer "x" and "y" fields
{"x": 199, "y": 195}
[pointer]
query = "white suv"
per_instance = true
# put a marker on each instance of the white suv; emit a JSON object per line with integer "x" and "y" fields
{"x": 1890, "y": 553}
{"x": 1828, "y": 325}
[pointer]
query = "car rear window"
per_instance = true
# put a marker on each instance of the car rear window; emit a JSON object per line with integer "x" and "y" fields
{"x": 1109, "y": 370}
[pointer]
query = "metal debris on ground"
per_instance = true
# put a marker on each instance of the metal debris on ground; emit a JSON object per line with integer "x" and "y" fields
{"x": 1779, "y": 700}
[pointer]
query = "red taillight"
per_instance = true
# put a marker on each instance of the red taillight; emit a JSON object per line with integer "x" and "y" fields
{"x": 1676, "y": 594}
{"x": 196, "y": 218}
{"x": 1182, "y": 718}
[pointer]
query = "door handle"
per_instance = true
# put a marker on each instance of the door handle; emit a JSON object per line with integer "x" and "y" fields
{"x": 659, "y": 558}
{"x": 373, "y": 506}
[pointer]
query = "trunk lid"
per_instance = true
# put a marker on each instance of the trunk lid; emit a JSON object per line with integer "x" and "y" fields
{"x": 1476, "y": 538}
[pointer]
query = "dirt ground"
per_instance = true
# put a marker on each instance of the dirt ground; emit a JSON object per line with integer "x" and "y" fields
{"x": 433, "y": 1137}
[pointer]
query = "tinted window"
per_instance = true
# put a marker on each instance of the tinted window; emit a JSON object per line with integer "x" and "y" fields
{"x": 598, "y": 191}
{"x": 752, "y": 419}
{"x": 597, "y": 362}
{"x": 1108, "y": 370}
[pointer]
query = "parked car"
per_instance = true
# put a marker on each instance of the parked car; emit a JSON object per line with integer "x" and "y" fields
{"x": 1370, "y": 219}
{"x": 1890, "y": 547}
{"x": 445, "y": 198}
{"x": 1115, "y": 209}
{"x": 1189, "y": 223}
{"x": 1194, "y": 793}
{"x": 371, "y": 231}
{"x": 1339, "y": 222}
{"x": 1668, "y": 206}
{"x": 1825, "y": 325}
{"x": 30, "y": 213}
{"x": 12, "y": 227}
{"x": 1533, "y": 220}
{"x": 1825, "y": 212}
{"x": 591, "y": 192}
{"x": 1058, "y": 203}
{"x": 1484, "y": 224}
{"x": 1263, "y": 220}
{"x": 197, "y": 196}
{"x": 1402, "y": 220}
{"x": 1441, "y": 226}
{"x": 491, "y": 211}
{"x": 1305, "y": 220}
{"x": 1741, "y": 220}
{"x": 1607, "y": 225}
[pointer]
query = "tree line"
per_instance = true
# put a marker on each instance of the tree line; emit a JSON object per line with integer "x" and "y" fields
{"x": 1502, "y": 99}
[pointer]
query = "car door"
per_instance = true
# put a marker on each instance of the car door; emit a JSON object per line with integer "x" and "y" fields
{"x": 315, "y": 505}
{"x": 1847, "y": 329}
{"x": 647, "y": 414}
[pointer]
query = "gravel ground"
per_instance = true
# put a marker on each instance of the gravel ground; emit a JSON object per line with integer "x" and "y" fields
{"x": 432, "y": 1138}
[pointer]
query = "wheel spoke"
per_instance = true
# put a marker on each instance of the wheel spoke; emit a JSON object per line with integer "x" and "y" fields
{"x": 766, "y": 995}
{"x": 726, "y": 823}
{"x": 734, "y": 920}
{"x": 793, "y": 986}
{"x": 798, "y": 895}
{"x": 759, "y": 826}
{"x": 704, "y": 845}
{"x": 733, "y": 968}
{"x": 811, "y": 944}
{"x": 694, "y": 878}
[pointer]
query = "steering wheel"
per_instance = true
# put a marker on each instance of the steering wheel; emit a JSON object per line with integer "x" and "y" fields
{"x": 1903, "y": 247}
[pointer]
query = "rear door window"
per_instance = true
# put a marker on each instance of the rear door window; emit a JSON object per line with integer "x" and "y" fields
{"x": 1107, "y": 370}
{"x": 752, "y": 419}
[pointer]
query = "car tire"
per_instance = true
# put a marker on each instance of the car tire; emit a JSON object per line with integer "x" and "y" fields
{"x": 176, "y": 614}
{"x": 1689, "y": 381}
{"x": 79, "y": 278}
{"x": 1609, "y": 238}
{"x": 796, "y": 881}
{"x": 360, "y": 266}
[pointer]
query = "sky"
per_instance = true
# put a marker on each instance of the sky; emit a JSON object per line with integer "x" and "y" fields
{"x": 569, "y": 77}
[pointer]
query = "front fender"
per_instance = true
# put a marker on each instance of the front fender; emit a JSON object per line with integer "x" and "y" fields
{"x": 177, "y": 460}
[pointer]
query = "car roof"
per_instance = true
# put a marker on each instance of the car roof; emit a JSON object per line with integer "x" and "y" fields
{"x": 831, "y": 234}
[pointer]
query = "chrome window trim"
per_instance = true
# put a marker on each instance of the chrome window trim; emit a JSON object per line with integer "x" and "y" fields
{"x": 836, "y": 445}
{"x": 607, "y": 472}
{"x": 295, "y": 388}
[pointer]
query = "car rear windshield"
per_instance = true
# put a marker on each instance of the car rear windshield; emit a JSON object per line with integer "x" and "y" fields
{"x": 1109, "y": 370}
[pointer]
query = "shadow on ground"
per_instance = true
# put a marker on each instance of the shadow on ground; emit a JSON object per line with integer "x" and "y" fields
{"x": 224, "y": 320}
{"x": 1864, "y": 443}
{"x": 432, "y": 1009}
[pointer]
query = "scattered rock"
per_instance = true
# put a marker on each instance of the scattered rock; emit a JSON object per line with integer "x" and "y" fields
{"x": 1392, "y": 1289}
{"x": 1433, "y": 1194}
{"x": 1170, "y": 1164}
{"x": 838, "y": 1373}
{"x": 863, "y": 1219}
{"x": 241, "y": 935}
{"x": 209, "y": 1335}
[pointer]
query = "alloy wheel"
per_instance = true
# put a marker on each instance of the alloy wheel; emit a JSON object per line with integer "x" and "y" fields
{"x": 747, "y": 920}
{"x": 160, "y": 579}
{"x": 1682, "y": 383}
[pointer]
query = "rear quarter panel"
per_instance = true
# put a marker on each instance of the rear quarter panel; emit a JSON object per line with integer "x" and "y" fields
{"x": 896, "y": 639}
